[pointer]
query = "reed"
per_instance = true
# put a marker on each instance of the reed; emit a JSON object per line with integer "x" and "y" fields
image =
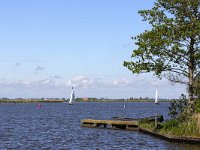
{"x": 179, "y": 128}
{"x": 174, "y": 127}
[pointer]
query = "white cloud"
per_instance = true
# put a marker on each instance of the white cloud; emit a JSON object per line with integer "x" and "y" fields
{"x": 37, "y": 88}
{"x": 81, "y": 82}
{"x": 95, "y": 87}
{"x": 121, "y": 83}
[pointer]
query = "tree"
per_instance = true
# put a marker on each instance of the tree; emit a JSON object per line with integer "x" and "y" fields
{"x": 171, "y": 48}
{"x": 197, "y": 86}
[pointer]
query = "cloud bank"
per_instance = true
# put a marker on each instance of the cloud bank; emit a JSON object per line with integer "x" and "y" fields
{"x": 56, "y": 86}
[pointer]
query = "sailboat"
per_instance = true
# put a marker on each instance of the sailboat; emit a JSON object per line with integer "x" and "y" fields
{"x": 156, "y": 97}
{"x": 72, "y": 97}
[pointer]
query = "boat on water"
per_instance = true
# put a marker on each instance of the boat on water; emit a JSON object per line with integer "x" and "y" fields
{"x": 156, "y": 97}
{"x": 72, "y": 97}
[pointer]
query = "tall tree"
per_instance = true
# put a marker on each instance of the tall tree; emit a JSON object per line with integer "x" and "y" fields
{"x": 171, "y": 48}
{"x": 197, "y": 86}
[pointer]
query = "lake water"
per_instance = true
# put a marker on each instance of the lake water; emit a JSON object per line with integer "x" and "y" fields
{"x": 57, "y": 126}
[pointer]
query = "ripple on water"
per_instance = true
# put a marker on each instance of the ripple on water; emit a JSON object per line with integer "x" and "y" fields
{"x": 57, "y": 126}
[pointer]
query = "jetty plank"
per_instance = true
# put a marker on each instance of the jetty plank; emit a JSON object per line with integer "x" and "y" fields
{"x": 118, "y": 124}
{"x": 133, "y": 124}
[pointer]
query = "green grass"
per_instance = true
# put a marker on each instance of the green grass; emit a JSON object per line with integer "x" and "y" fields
{"x": 198, "y": 106}
{"x": 178, "y": 128}
{"x": 145, "y": 123}
{"x": 174, "y": 127}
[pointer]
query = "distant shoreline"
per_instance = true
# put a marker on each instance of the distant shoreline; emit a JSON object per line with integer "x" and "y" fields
{"x": 60, "y": 101}
{"x": 31, "y": 101}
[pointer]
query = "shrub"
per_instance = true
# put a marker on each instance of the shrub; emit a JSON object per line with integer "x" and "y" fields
{"x": 177, "y": 108}
{"x": 170, "y": 124}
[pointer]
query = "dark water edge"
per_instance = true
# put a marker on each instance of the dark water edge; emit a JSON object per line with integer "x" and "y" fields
{"x": 58, "y": 126}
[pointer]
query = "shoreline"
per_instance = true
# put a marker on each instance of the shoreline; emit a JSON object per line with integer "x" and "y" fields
{"x": 172, "y": 138}
{"x": 31, "y": 101}
{"x": 61, "y": 101}
{"x": 123, "y": 123}
{"x": 132, "y": 124}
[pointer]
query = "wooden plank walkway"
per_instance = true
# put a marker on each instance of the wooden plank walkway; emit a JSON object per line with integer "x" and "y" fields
{"x": 117, "y": 124}
{"x": 133, "y": 124}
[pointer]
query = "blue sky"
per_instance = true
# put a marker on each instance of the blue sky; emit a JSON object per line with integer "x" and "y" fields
{"x": 47, "y": 46}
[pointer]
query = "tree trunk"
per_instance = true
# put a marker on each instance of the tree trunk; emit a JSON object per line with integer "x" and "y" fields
{"x": 190, "y": 88}
{"x": 191, "y": 71}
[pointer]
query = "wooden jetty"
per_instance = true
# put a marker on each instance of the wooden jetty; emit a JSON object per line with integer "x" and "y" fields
{"x": 133, "y": 124}
{"x": 117, "y": 124}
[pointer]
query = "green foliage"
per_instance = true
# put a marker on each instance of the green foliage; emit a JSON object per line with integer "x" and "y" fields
{"x": 197, "y": 106}
{"x": 183, "y": 122}
{"x": 145, "y": 123}
{"x": 168, "y": 125}
{"x": 171, "y": 48}
{"x": 174, "y": 127}
{"x": 177, "y": 108}
{"x": 197, "y": 86}
{"x": 173, "y": 109}
{"x": 178, "y": 128}
{"x": 145, "y": 120}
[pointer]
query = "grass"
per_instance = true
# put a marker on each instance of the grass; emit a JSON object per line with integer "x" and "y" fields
{"x": 145, "y": 123}
{"x": 174, "y": 127}
{"x": 178, "y": 128}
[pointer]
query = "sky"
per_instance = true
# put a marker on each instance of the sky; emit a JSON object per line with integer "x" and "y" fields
{"x": 48, "y": 46}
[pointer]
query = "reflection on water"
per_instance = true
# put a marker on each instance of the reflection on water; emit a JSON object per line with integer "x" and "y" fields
{"x": 57, "y": 126}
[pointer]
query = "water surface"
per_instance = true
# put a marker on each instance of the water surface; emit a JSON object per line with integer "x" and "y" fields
{"x": 57, "y": 126}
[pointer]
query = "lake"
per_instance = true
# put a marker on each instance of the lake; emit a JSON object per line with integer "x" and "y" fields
{"x": 58, "y": 126}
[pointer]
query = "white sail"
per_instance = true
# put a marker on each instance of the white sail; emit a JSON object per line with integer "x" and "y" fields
{"x": 156, "y": 97}
{"x": 72, "y": 97}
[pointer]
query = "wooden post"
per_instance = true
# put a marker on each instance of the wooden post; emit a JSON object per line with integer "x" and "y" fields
{"x": 156, "y": 122}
